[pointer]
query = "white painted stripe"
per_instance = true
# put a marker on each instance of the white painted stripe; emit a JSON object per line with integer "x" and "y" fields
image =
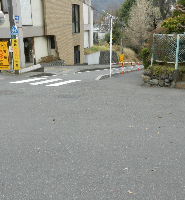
{"x": 62, "y": 83}
{"x": 29, "y": 80}
{"x": 97, "y": 70}
{"x": 55, "y": 75}
{"x": 87, "y": 71}
{"x": 47, "y": 81}
{"x": 79, "y": 72}
{"x": 105, "y": 69}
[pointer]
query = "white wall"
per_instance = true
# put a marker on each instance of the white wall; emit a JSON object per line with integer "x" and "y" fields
{"x": 86, "y": 39}
{"x": 91, "y": 30}
{"x": 92, "y": 59}
{"x": 37, "y": 12}
{"x": 88, "y": 24}
{"x": 26, "y": 12}
{"x": 101, "y": 36}
{"x": 86, "y": 14}
{"x": 41, "y": 49}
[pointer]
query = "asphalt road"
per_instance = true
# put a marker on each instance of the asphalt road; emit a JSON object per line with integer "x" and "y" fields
{"x": 108, "y": 139}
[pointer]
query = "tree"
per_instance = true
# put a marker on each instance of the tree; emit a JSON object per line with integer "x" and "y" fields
{"x": 165, "y": 7}
{"x": 116, "y": 34}
{"x": 179, "y": 8}
{"x": 176, "y": 24}
{"x": 125, "y": 10}
{"x": 140, "y": 23}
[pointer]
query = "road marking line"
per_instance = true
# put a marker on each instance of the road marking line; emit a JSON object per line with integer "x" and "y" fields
{"x": 29, "y": 80}
{"x": 47, "y": 81}
{"x": 62, "y": 83}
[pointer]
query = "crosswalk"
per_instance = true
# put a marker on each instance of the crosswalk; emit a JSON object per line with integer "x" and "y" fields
{"x": 54, "y": 82}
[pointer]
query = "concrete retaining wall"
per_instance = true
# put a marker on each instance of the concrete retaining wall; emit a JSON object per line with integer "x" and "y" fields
{"x": 92, "y": 59}
{"x": 102, "y": 57}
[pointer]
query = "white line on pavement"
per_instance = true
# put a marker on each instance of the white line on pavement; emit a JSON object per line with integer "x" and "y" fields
{"x": 28, "y": 80}
{"x": 47, "y": 81}
{"x": 62, "y": 83}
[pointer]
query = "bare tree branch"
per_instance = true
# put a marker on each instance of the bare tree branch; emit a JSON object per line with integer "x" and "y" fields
{"x": 180, "y": 26}
{"x": 180, "y": 8}
{"x": 140, "y": 23}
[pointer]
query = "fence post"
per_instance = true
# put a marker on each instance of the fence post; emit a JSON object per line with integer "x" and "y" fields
{"x": 152, "y": 50}
{"x": 177, "y": 52}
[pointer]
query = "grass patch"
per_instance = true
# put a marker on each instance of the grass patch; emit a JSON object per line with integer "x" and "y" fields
{"x": 94, "y": 49}
{"x": 129, "y": 54}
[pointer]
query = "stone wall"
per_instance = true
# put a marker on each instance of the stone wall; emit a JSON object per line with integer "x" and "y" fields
{"x": 105, "y": 57}
{"x": 163, "y": 80}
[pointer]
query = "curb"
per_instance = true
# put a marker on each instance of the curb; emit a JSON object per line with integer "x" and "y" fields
{"x": 34, "y": 68}
{"x": 101, "y": 77}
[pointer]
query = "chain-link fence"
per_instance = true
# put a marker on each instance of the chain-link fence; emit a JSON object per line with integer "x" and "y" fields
{"x": 168, "y": 48}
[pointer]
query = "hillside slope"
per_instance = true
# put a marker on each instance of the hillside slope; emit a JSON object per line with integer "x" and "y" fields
{"x": 104, "y": 4}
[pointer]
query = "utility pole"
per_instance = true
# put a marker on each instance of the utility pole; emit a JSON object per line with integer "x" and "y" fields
{"x": 110, "y": 42}
{"x": 122, "y": 36}
{"x": 110, "y": 46}
{"x": 10, "y": 11}
{"x": 14, "y": 9}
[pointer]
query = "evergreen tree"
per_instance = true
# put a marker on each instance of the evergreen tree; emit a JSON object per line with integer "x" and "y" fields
{"x": 125, "y": 10}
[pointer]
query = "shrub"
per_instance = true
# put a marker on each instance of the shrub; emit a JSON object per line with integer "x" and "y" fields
{"x": 162, "y": 69}
{"x": 182, "y": 2}
{"x": 175, "y": 24}
{"x": 144, "y": 56}
{"x": 181, "y": 69}
{"x": 48, "y": 59}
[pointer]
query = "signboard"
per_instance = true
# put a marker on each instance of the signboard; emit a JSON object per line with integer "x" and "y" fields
{"x": 14, "y": 31}
{"x": 2, "y": 18}
{"x": 16, "y": 19}
{"x": 4, "y": 56}
{"x": 16, "y": 59}
{"x": 121, "y": 58}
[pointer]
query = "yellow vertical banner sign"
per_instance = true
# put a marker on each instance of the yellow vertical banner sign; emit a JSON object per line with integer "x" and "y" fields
{"x": 121, "y": 58}
{"x": 16, "y": 59}
{"x": 4, "y": 56}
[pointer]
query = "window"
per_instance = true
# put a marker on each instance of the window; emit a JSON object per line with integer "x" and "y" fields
{"x": 76, "y": 18}
{"x": 52, "y": 42}
{"x": 4, "y": 6}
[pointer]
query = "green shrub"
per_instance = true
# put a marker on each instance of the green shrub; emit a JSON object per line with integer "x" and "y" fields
{"x": 161, "y": 69}
{"x": 145, "y": 57}
{"x": 182, "y": 2}
{"x": 174, "y": 24}
{"x": 181, "y": 69}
